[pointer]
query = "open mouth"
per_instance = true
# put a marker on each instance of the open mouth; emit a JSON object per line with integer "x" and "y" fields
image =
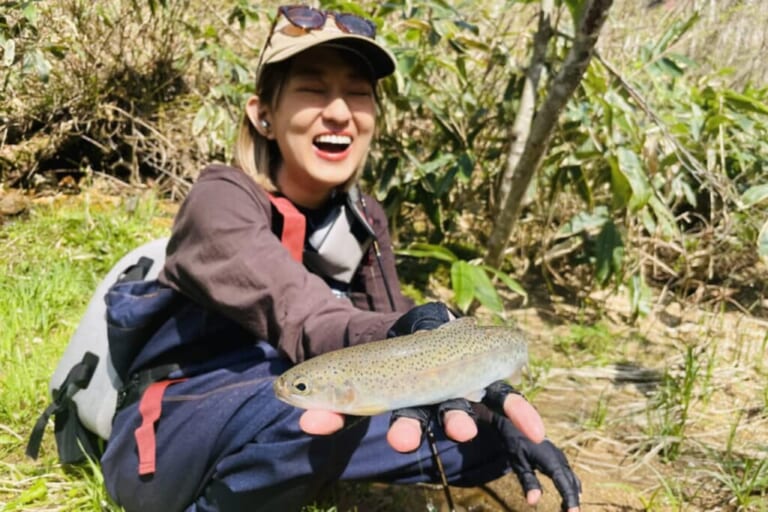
{"x": 331, "y": 143}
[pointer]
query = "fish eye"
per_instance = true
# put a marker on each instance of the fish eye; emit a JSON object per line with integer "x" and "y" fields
{"x": 300, "y": 385}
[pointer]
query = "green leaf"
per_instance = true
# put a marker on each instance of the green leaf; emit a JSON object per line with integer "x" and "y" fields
{"x": 485, "y": 291}
{"x": 640, "y": 296}
{"x": 665, "y": 220}
{"x": 632, "y": 169}
{"x": 674, "y": 33}
{"x": 472, "y": 282}
{"x": 29, "y": 12}
{"x": 463, "y": 287}
{"x": 581, "y": 184}
{"x": 576, "y": 7}
{"x": 39, "y": 64}
{"x": 754, "y": 195}
{"x": 762, "y": 243}
{"x": 620, "y": 186}
{"x": 201, "y": 120}
{"x": 510, "y": 283}
{"x": 586, "y": 222}
{"x": 438, "y": 163}
{"x": 609, "y": 252}
{"x": 37, "y": 492}
{"x": 744, "y": 102}
{"x": 420, "y": 250}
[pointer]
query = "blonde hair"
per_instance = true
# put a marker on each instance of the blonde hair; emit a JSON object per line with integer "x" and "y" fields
{"x": 260, "y": 157}
{"x": 255, "y": 154}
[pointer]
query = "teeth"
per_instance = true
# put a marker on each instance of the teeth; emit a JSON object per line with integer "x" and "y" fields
{"x": 334, "y": 139}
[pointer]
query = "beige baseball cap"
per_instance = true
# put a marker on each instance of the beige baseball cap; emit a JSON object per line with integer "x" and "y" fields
{"x": 288, "y": 40}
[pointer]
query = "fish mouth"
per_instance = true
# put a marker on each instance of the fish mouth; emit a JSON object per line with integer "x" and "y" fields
{"x": 284, "y": 392}
{"x": 280, "y": 387}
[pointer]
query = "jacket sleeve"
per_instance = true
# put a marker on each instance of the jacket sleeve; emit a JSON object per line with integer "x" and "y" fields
{"x": 224, "y": 256}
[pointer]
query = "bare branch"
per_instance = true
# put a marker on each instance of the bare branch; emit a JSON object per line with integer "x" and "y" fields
{"x": 522, "y": 126}
{"x": 560, "y": 91}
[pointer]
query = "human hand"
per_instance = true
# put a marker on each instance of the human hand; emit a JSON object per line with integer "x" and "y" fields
{"x": 526, "y": 457}
{"x": 522, "y": 430}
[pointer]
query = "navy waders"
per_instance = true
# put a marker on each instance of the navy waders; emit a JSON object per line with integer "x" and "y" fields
{"x": 222, "y": 441}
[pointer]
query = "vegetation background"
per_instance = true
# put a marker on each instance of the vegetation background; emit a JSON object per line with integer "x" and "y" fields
{"x": 638, "y": 262}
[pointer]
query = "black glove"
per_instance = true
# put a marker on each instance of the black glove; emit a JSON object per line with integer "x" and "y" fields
{"x": 525, "y": 457}
{"x": 421, "y": 318}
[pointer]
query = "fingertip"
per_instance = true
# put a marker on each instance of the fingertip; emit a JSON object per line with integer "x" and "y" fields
{"x": 533, "y": 496}
{"x": 321, "y": 423}
{"x": 459, "y": 426}
{"x": 404, "y": 435}
{"x": 524, "y": 417}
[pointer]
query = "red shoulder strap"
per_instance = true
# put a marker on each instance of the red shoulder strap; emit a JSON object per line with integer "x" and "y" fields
{"x": 150, "y": 408}
{"x": 294, "y": 226}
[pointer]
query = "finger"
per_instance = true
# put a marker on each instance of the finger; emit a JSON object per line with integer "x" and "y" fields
{"x": 320, "y": 423}
{"x": 531, "y": 486}
{"x": 404, "y": 435}
{"x": 568, "y": 485}
{"x": 459, "y": 425}
{"x": 533, "y": 496}
{"x": 524, "y": 417}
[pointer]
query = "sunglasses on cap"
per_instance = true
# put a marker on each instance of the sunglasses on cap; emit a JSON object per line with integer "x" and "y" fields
{"x": 309, "y": 18}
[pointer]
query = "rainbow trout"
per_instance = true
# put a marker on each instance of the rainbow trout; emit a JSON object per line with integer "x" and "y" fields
{"x": 456, "y": 360}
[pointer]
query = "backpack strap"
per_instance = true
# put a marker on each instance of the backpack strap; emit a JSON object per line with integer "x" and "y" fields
{"x": 138, "y": 271}
{"x": 150, "y": 408}
{"x": 78, "y": 378}
{"x": 294, "y": 226}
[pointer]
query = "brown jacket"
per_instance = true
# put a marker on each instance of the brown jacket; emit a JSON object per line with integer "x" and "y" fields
{"x": 224, "y": 256}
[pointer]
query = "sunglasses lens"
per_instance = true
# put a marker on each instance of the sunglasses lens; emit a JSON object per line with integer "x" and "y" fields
{"x": 304, "y": 17}
{"x": 356, "y": 25}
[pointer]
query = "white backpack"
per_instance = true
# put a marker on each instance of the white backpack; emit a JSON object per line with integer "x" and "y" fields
{"x": 84, "y": 385}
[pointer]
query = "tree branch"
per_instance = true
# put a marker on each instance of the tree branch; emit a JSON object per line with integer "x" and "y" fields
{"x": 522, "y": 126}
{"x": 560, "y": 91}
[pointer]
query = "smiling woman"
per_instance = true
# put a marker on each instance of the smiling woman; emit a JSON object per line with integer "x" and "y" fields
{"x": 322, "y": 122}
{"x": 274, "y": 261}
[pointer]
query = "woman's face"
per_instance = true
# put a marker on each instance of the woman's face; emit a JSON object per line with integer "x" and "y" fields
{"x": 323, "y": 124}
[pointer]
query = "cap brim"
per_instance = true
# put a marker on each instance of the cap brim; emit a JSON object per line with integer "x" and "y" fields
{"x": 283, "y": 47}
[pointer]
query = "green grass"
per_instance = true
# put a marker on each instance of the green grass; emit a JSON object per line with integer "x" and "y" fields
{"x": 53, "y": 258}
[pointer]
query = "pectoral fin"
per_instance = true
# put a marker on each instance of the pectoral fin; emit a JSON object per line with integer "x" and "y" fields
{"x": 517, "y": 376}
{"x": 370, "y": 410}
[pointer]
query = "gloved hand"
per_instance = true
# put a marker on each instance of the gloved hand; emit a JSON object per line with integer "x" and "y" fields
{"x": 526, "y": 457}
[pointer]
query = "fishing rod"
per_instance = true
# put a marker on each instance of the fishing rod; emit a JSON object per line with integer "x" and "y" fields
{"x": 439, "y": 463}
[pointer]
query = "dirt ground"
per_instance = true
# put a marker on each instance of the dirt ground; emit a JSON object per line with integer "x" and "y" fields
{"x": 603, "y": 408}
